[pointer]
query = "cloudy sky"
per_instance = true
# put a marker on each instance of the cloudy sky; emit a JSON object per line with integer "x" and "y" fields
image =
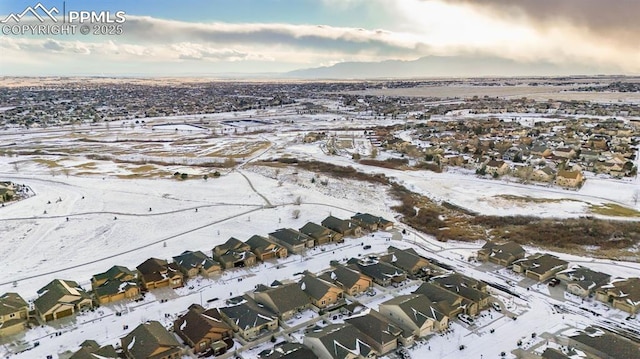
{"x": 209, "y": 37}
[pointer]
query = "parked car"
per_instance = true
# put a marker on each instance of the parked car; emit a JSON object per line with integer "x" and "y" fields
{"x": 554, "y": 282}
{"x": 466, "y": 319}
{"x": 496, "y": 306}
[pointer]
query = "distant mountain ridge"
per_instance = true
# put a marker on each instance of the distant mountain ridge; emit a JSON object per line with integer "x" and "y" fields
{"x": 443, "y": 66}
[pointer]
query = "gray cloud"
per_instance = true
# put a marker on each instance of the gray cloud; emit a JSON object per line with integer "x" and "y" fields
{"x": 617, "y": 19}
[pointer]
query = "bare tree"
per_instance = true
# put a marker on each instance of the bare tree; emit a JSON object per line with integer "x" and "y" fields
{"x": 636, "y": 197}
{"x": 297, "y": 201}
{"x": 295, "y": 214}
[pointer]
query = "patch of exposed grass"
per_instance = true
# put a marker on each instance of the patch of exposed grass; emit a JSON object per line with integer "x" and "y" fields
{"x": 48, "y": 163}
{"x": 239, "y": 149}
{"x": 143, "y": 169}
{"x": 613, "y": 210}
{"x": 87, "y": 166}
{"x": 527, "y": 199}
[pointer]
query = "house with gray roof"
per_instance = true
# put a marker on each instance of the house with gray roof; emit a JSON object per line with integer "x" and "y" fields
{"x": 540, "y": 266}
{"x": 378, "y": 331}
{"x": 372, "y": 223}
{"x": 449, "y": 302}
{"x": 415, "y": 314}
{"x": 294, "y": 241}
{"x": 287, "y": 350}
{"x": 601, "y": 343}
{"x": 14, "y": 314}
{"x": 59, "y": 299}
{"x": 501, "y": 253}
{"x": 408, "y": 260}
{"x": 232, "y": 244}
{"x": 339, "y": 341}
{"x": 382, "y": 273}
{"x": 151, "y": 340}
{"x": 466, "y": 287}
{"x": 285, "y": 300}
{"x": 249, "y": 319}
{"x": 193, "y": 263}
{"x": 582, "y": 281}
{"x": 115, "y": 284}
{"x": 321, "y": 235}
{"x": 234, "y": 254}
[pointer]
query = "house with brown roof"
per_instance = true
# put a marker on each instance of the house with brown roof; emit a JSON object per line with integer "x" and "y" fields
{"x": 378, "y": 331}
{"x": 204, "y": 331}
{"x": 540, "y": 266}
{"x": 353, "y": 282}
{"x": 59, "y": 299}
{"x": 501, "y": 253}
{"x": 117, "y": 283}
{"x": 294, "y": 241}
{"x": 496, "y": 167}
{"x": 322, "y": 294}
{"x": 265, "y": 249}
{"x": 157, "y": 273}
{"x": 623, "y": 294}
{"x": 469, "y": 288}
{"x": 569, "y": 179}
{"x": 285, "y": 300}
{"x": 234, "y": 254}
{"x": 382, "y": 273}
{"x": 321, "y": 235}
{"x": 345, "y": 227}
{"x": 14, "y": 314}
{"x": 248, "y": 319}
{"x": 150, "y": 340}
{"x": 597, "y": 342}
{"x": 193, "y": 263}
{"x": 90, "y": 349}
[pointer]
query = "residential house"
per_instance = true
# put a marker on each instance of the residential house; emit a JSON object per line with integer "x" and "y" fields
{"x": 204, "y": 331}
{"x": 565, "y": 152}
{"x": 150, "y": 340}
{"x": 90, "y": 349}
{"x": 293, "y": 240}
{"x": 408, "y": 260}
{"x": 378, "y": 331}
{"x": 540, "y": 266}
{"x": 382, "y": 273}
{"x": 322, "y": 293}
{"x": 569, "y": 179}
{"x": 352, "y": 281}
{"x": 285, "y": 300}
{"x": 265, "y": 249}
{"x": 503, "y": 254}
{"x": 287, "y": 350}
{"x": 321, "y": 235}
{"x": 116, "y": 284}
{"x": 415, "y": 314}
{"x": 338, "y": 341}
{"x": 371, "y": 222}
{"x": 234, "y": 254}
{"x": 471, "y": 289}
{"x": 544, "y": 174}
{"x": 14, "y": 314}
{"x": 59, "y": 299}
{"x": 582, "y": 281}
{"x": 345, "y": 227}
{"x": 448, "y": 302}
{"x": 496, "y": 167}
{"x": 623, "y": 294}
{"x": 542, "y": 151}
{"x": 249, "y": 319}
{"x": 600, "y": 343}
{"x": 157, "y": 273}
{"x": 193, "y": 263}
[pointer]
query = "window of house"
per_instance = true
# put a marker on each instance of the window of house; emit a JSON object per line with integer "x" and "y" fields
{"x": 12, "y": 315}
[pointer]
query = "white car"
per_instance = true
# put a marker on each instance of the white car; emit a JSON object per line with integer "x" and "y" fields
{"x": 466, "y": 319}
{"x": 496, "y": 306}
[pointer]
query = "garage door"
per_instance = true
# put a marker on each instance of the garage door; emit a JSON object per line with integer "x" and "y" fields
{"x": 64, "y": 313}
